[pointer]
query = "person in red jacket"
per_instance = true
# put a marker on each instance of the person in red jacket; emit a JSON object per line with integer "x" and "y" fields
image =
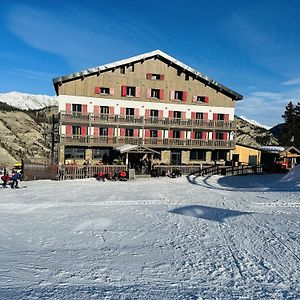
{"x": 5, "y": 178}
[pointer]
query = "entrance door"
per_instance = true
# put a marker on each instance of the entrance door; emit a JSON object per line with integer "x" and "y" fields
{"x": 176, "y": 157}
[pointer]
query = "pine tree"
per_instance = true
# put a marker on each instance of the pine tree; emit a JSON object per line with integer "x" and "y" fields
{"x": 297, "y": 125}
{"x": 290, "y": 128}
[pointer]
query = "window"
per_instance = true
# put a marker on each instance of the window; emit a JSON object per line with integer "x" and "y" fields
{"x": 218, "y": 155}
{"x": 198, "y": 135}
{"x": 221, "y": 117}
{"x": 153, "y": 133}
{"x": 151, "y": 76}
{"x": 128, "y": 132}
{"x": 103, "y": 131}
{"x": 154, "y": 113}
{"x": 198, "y": 155}
{"x": 155, "y": 93}
{"x": 74, "y": 153}
{"x": 76, "y": 108}
{"x": 199, "y": 116}
{"x": 101, "y": 154}
{"x": 130, "y": 68}
{"x": 200, "y": 99}
{"x": 122, "y": 70}
{"x": 178, "y": 95}
{"x": 129, "y": 111}
{"x": 76, "y": 130}
{"x": 176, "y": 134}
{"x": 104, "y": 110}
{"x": 130, "y": 91}
{"x": 177, "y": 114}
{"x": 104, "y": 90}
{"x": 220, "y": 135}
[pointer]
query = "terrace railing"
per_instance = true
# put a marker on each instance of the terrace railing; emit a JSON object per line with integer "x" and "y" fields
{"x": 116, "y": 120}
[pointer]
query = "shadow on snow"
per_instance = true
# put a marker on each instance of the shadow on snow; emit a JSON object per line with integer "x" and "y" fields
{"x": 208, "y": 213}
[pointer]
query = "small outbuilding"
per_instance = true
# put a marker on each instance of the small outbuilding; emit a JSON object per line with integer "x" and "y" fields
{"x": 246, "y": 155}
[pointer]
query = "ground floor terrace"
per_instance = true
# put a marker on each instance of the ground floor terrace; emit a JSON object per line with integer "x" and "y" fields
{"x": 140, "y": 159}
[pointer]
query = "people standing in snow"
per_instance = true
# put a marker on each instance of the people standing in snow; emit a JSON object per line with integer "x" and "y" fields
{"x": 5, "y": 178}
{"x": 15, "y": 179}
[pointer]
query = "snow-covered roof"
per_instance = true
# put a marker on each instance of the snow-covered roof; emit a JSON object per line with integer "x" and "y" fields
{"x": 155, "y": 53}
{"x": 273, "y": 149}
{"x": 134, "y": 148}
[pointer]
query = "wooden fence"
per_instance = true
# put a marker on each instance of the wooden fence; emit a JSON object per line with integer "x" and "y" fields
{"x": 80, "y": 172}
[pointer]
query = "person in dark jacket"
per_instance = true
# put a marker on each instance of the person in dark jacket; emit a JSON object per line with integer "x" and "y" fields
{"x": 15, "y": 180}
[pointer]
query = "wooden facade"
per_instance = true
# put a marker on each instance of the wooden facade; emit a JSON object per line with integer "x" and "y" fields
{"x": 151, "y": 100}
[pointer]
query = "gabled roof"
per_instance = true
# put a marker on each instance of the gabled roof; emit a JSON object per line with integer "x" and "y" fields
{"x": 157, "y": 53}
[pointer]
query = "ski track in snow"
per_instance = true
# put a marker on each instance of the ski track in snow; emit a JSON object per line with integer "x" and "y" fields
{"x": 149, "y": 239}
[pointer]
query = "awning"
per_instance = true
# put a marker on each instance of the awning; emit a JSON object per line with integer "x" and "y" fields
{"x": 128, "y": 148}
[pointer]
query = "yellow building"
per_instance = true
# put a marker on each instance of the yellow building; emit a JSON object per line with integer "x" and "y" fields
{"x": 246, "y": 155}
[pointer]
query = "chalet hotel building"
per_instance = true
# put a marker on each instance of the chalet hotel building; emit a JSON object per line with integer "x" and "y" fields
{"x": 151, "y": 100}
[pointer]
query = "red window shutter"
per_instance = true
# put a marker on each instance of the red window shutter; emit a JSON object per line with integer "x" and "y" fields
{"x": 170, "y": 134}
{"x": 96, "y": 109}
{"x": 138, "y": 91}
{"x": 225, "y": 136}
{"x": 172, "y": 95}
{"x": 83, "y": 130}
{"x": 148, "y": 93}
{"x": 215, "y": 117}
{"x": 84, "y": 108}
{"x": 226, "y": 117}
{"x": 122, "y": 111}
{"x": 137, "y": 112}
{"x": 97, "y": 90}
{"x": 194, "y": 99}
{"x": 96, "y": 131}
{"x": 110, "y": 131}
{"x": 68, "y": 108}
{"x": 206, "y": 99}
{"x": 124, "y": 91}
{"x": 148, "y": 76}
{"x": 205, "y": 116}
{"x": 183, "y": 115}
{"x": 68, "y": 130}
{"x": 193, "y": 135}
{"x": 161, "y": 94}
{"x": 147, "y": 113}
{"x": 171, "y": 114}
{"x": 111, "y": 110}
{"x": 135, "y": 132}
{"x": 160, "y": 114}
{"x": 214, "y": 135}
{"x": 162, "y": 77}
{"x": 193, "y": 115}
{"x": 159, "y": 134}
{"x": 111, "y": 91}
{"x": 147, "y": 133}
{"x": 122, "y": 132}
{"x": 204, "y": 135}
{"x": 184, "y": 96}
{"x": 182, "y": 134}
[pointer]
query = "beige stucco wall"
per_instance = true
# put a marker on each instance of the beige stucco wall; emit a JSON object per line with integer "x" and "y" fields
{"x": 114, "y": 79}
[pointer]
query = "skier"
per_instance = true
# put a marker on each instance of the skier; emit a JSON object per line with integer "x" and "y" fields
{"x": 15, "y": 177}
{"x": 5, "y": 178}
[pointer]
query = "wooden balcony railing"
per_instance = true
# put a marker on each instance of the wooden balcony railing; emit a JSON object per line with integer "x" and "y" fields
{"x": 150, "y": 142}
{"x": 118, "y": 120}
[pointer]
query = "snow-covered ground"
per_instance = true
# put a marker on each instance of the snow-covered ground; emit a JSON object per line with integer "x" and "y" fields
{"x": 159, "y": 238}
{"x": 28, "y": 101}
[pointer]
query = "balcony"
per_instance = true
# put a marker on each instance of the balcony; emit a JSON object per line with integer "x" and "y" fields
{"x": 113, "y": 141}
{"x": 155, "y": 122}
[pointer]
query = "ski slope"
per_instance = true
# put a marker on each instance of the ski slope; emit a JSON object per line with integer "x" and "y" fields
{"x": 159, "y": 238}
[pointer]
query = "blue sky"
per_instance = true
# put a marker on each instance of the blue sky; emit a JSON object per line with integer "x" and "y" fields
{"x": 252, "y": 47}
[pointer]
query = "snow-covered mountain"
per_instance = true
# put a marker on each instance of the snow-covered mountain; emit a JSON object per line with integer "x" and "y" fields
{"x": 28, "y": 101}
{"x": 255, "y": 123}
